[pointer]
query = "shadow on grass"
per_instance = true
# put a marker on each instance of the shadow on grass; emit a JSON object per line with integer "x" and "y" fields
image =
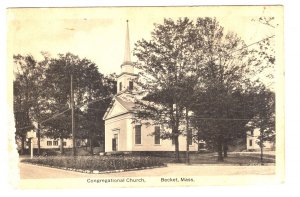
{"x": 232, "y": 159}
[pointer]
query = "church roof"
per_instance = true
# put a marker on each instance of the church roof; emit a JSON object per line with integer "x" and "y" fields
{"x": 111, "y": 112}
{"x": 129, "y": 105}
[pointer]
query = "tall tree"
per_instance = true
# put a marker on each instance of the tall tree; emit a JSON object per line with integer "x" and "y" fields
{"x": 27, "y": 92}
{"x": 89, "y": 86}
{"x": 264, "y": 119}
{"x": 91, "y": 122}
{"x": 199, "y": 68}
{"x": 229, "y": 84}
{"x": 164, "y": 62}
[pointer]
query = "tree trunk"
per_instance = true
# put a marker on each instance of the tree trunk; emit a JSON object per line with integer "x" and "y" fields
{"x": 177, "y": 159}
{"x": 220, "y": 150}
{"x": 22, "y": 145}
{"x": 188, "y": 135}
{"x": 225, "y": 148}
{"x": 261, "y": 156}
{"x": 261, "y": 144}
{"x": 29, "y": 145}
{"x": 91, "y": 147}
{"x": 61, "y": 145}
{"x": 38, "y": 139}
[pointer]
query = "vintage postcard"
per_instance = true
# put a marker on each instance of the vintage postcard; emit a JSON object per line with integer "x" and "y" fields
{"x": 145, "y": 96}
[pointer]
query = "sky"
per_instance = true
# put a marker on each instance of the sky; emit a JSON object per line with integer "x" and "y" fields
{"x": 98, "y": 33}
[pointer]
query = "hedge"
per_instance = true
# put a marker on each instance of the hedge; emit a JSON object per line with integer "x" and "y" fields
{"x": 100, "y": 163}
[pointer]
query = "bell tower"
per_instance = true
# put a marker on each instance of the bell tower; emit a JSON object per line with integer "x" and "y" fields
{"x": 126, "y": 79}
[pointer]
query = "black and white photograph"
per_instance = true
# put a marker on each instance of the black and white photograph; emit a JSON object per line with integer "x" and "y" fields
{"x": 146, "y": 96}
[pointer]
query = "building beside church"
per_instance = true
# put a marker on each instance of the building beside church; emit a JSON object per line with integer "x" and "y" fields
{"x": 252, "y": 145}
{"x": 121, "y": 134}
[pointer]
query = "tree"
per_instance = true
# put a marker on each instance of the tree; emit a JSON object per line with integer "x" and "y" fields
{"x": 27, "y": 92}
{"x": 229, "y": 84}
{"x": 199, "y": 68}
{"x": 92, "y": 124}
{"x": 90, "y": 89}
{"x": 264, "y": 119}
{"x": 164, "y": 62}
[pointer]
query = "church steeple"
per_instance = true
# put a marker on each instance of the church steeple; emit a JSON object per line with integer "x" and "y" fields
{"x": 127, "y": 59}
{"x": 127, "y": 76}
{"x": 127, "y": 64}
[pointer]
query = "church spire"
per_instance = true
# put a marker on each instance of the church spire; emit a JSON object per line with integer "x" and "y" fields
{"x": 127, "y": 59}
{"x": 126, "y": 79}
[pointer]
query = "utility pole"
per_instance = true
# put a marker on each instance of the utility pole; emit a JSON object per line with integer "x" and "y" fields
{"x": 73, "y": 122}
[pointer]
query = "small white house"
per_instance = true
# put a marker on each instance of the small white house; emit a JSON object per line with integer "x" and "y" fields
{"x": 121, "y": 134}
{"x": 49, "y": 143}
{"x": 252, "y": 139}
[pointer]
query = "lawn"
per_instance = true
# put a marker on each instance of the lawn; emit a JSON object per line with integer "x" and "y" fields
{"x": 232, "y": 159}
{"x": 99, "y": 163}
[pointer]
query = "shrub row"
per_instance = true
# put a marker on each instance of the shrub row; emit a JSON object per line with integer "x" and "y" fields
{"x": 100, "y": 163}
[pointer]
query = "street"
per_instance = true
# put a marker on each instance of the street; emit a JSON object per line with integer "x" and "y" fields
{"x": 29, "y": 171}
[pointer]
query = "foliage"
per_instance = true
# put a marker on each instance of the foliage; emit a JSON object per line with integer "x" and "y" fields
{"x": 164, "y": 62}
{"x": 42, "y": 94}
{"x": 227, "y": 98}
{"x": 195, "y": 66}
{"x": 27, "y": 92}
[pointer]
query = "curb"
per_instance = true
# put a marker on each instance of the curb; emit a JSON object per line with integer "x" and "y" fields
{"x": 95, "y": 171}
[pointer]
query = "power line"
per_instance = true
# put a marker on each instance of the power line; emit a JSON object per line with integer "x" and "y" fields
{"x": 244, "y": 47}
{"x": 54, "y": 116}
{"x": 239, "y": 119}
{"x": 253, "y": 44}
{"x": 27, "y": 127}
{"x": 79, "y": 106}
{"x": 88, "y": 103}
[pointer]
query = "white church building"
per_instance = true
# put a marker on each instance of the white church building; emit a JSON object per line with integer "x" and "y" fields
{"x": 121, "y": 134}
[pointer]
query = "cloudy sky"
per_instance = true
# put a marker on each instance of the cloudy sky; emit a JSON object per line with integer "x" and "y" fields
{"x": 99, "y": 33}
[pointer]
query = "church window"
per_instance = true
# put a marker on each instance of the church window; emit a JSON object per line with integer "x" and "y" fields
{"x": 120, "y": 86}
{"x": 138, "y": 139}
{"x": 130, "y": 85}
{"x": 250, "y": 142}
{"x": 157, "y": 135}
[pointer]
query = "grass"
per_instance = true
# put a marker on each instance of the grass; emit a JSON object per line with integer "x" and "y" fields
{"x": 100, "y": 163}
{"x": 232, "y": 159}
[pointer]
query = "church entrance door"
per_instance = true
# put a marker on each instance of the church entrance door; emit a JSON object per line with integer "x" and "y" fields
{"x": 115, "y": 142}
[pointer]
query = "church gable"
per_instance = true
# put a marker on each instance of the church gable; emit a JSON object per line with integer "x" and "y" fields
{"x": 115, "y": 110}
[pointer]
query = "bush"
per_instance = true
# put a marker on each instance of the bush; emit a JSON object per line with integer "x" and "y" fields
{"x": 100, "y": 163}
